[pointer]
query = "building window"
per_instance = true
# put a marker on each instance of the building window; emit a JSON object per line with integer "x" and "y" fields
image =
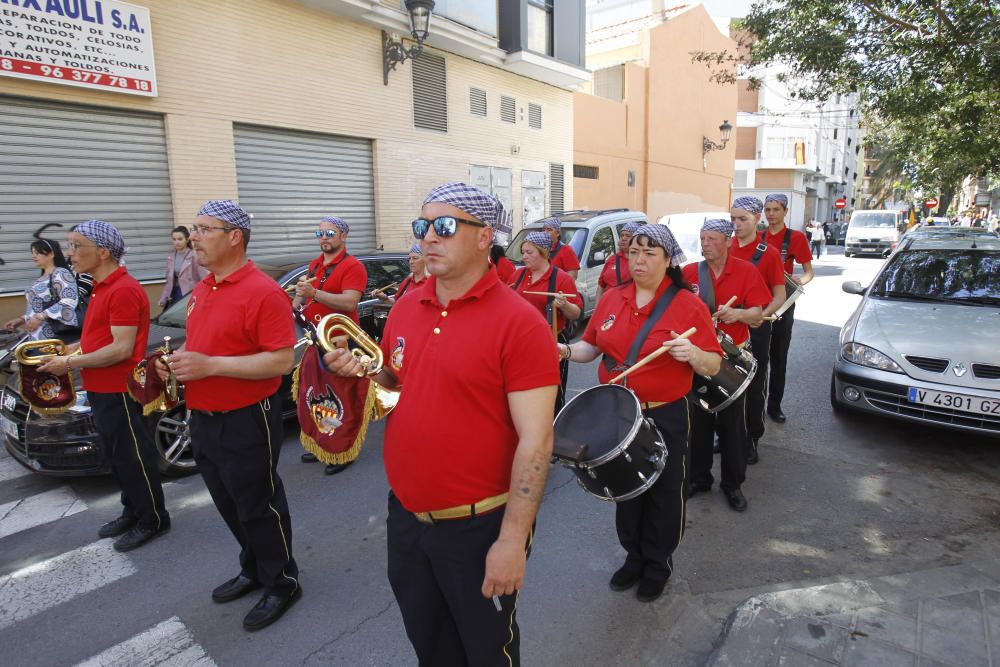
{"x": 609, "y": 83}
{"x": 630, "y": 179}
{"x": 834, "y": 133}
{"x": 535, "y": 116}
{"x": 480, "y": 15}
{"x": 782, "y": 148}
{"x": 508, "y": 109}
{"x": 540, "y": 26}
{"x": 583, "y": 171}
{"x": 430, "y": 93}
{"x": 556, "y": 192}
{"x": 740, "y": 178}
{"x": 477, "y": 102}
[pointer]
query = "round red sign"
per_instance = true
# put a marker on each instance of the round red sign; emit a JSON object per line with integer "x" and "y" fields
{"x": 840, "y": 203}
{"x": 931, "y": 203}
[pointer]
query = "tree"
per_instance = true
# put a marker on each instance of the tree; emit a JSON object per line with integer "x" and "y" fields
{"x": 927, "y": 73}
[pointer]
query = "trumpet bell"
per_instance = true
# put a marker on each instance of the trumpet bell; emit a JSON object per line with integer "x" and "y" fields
{"x": 366, "y": 351}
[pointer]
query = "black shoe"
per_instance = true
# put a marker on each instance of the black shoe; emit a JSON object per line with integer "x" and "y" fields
{"x": 334, "y": 468}
{"x": 309, "y": 457}
{"x": 138, "y": 536}
{"x": 234, "y": 589}
{"x": 649, "y": 590}
{"x": 777, "y": 415}
{"x": 698, "y": 488}
{"x": 752, "y": 456}
{"x": 269, "y": 609}
{"x": 736, "y": 499}
{"x": 119, "y": 526}
{"x": 624, "y": 578}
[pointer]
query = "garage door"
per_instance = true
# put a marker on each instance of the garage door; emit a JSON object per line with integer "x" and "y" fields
{"x": 62, "y": 164}
{"x": 289, "y": 180}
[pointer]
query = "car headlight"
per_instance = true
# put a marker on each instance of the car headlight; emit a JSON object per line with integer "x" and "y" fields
{"x": 870, "y": 357}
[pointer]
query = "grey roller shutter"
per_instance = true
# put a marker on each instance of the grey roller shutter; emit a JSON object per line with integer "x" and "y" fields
{"x": 289, "y": 180}
{"x": 61, "y": 164}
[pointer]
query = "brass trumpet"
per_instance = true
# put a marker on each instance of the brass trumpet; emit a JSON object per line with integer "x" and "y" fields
{"x": 45, "y": 392}
{"x": 367, "y": 353}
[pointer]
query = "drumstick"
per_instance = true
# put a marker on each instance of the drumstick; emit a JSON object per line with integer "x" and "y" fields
{"x": 291, "y": 288}
{"x": 555, "y": 294}
{"x": 649, "y": 357}
{"x": 772, "y": 318}
{"x": 715, "y": 316}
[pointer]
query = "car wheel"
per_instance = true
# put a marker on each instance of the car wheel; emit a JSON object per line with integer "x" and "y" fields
{"x": 172, "y": 437}
{"x": 848, "y": 254}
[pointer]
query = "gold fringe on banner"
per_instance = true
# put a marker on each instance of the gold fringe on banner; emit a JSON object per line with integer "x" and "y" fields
{"x": 354, "y": 451}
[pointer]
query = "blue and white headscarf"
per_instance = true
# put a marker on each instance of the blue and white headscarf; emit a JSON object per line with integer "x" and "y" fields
{"x": 416, "y": 249}
{"x": 227, "y": 211}
{"x": 540, "y": 239}
{"x": 552, "y": 223}
{"x": 781, "y": 199}
{"x": 661, "y": 236}
{"x": 104, "y": 235}
{"x": 722, "y": 225}
{"x": 630, "y": 227}
{"x": 751, "y": 204}
{"x": 484, "y": 207}
{"x": 339, "y": 223}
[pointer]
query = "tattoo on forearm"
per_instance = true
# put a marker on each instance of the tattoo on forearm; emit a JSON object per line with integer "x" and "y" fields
{"x": 531, "y": 483}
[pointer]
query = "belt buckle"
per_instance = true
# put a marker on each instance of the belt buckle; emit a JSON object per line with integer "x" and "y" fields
{"x": 424, "y": 517}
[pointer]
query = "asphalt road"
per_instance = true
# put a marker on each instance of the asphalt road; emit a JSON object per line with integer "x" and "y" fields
{"x": 833, "y": 498}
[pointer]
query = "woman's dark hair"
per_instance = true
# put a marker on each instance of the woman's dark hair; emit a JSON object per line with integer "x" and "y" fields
{"x": 673, "y": 272}
{"x": 181, "y": 229}
{"x": 496, "y": 252}
{"x": 47, "y": 247}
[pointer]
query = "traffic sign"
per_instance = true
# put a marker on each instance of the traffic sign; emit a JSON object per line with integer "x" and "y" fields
{"x": 840, "y": 203}
{"x": 930, "y": 202}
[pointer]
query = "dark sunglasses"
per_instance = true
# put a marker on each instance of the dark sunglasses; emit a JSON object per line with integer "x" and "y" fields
{"x": 329, "y": 233}
{"x": 444, "y": 226}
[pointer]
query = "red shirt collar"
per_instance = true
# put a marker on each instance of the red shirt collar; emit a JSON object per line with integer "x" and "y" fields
{"x": 736, "y": 242}
{"x": 112, "y": 277}
{"x": 486, "y": 283}
{"x": 780, "y": 231}
{"x": 234, "y": 277}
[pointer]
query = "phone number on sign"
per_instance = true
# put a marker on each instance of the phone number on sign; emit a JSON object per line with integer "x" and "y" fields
{"x": 75, "y": 75}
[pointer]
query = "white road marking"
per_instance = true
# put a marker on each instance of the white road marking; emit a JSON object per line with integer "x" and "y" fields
{"x": 38, "y": 509}
{"x": 11, "y": 469}
{"x": 36, "y": 588}
{"x": 168, "y": 644}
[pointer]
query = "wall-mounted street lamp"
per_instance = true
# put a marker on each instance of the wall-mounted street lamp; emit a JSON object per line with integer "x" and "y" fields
{"x": 393, "y": 51}
{"x": 707, "y": 145}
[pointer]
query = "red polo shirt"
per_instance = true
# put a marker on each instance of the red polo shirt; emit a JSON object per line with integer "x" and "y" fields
{"x": 798, "y": 248}
{"x": 348, "y": 274}
{"x": 565, "y": 258}
{"x": 408, "y": 285}
{"x": 616, "y": 322}
{"x": 451, "y": 440}
{"x": 564, "y": 284}
{"x": 617, "y": 265}
{"x": 244, "y": 313}
{"x": 117, "y": 301}
{"x": 505, "y": 269}
{"x": 769, "y": 264}
{"x": 740, "y": 279}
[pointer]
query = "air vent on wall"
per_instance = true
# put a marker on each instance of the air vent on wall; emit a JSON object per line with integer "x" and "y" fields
{"x": 535, "y": 116}
{"x": 477, "y": 102}
{"x": 556, "y": 193}
{"x": 430, "y": 93}
{"x": 508, "y": 109}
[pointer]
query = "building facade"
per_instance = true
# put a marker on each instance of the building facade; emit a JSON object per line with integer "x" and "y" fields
{"x": 282, "y": 106}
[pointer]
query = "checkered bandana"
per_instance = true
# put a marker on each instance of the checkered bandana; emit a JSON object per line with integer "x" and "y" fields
{"x": 104, "y": 235}
{"x": 339, "y": 223}
{"x": 552, "y": 223}
{"x": 722, "y": 225}
{"x": 630, "y": 227}
{"x": 751, "y": 204}
{"x": 415, "y": 249}
{"x": 227, "y": 211}
{"x": 781, "y": 199}
{"x": 540, "y": 239}
{"x": 484, "y": 207}
{"x": 661, "y": 236}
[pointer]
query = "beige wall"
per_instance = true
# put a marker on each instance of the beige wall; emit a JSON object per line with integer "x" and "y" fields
{"x": 774, "y": 178}
{"x": 284, "y": 65}
{"x": 746, "y": 143}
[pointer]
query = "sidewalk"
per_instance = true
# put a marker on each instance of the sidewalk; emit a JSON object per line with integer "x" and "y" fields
{"x": 948, "y": 616}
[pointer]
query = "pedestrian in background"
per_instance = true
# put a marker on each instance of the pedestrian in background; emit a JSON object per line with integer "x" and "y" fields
{"x": 52, "y": 297}
{"x": 183, "y": 272}
{"x": 816, "y": 238}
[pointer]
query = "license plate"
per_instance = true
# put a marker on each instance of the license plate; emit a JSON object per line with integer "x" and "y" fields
{"x": 868, "y": 249}
{"x": 9, "y": 427}
{"x": 941, "y": 399}
{"x": 9, "y": 403}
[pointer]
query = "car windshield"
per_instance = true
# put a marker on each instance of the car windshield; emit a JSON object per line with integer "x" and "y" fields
{"x": 383, "y": 273}
{"x": 574, "y": 237}
{"x": 874, "y": 219}
{"x": 965, "y": 276}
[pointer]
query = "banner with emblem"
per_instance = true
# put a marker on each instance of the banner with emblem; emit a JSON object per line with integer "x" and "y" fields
{"x": 333, "y": 411}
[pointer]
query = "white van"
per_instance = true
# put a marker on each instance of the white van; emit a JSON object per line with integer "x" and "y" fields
{"x": 686, "y": 228}
{"x": 873, "y": 233}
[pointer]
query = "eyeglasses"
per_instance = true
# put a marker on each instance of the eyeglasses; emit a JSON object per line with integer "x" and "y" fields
{"x": 202, "y": 229}
{"x": 444, "y": 226}
{"x": 329, "y": 233}
{"x": 76, "y": 246}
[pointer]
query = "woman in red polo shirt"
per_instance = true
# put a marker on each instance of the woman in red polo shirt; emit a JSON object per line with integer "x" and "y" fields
{"x": 540, "y": 275}
{"x": 651, "y": 526}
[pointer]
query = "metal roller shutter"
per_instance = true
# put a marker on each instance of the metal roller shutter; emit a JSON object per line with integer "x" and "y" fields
{"x": 61, "y": 164}
{"x": 289, "y": 180}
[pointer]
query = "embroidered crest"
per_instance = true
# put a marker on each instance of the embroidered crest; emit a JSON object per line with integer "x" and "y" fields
{"x": 139, "y": 374}
{"x": 191, "y": 305}
{"x": 396, "y": 359}
{"x": 47, "y": 387}
{"x": 608, "y": 323}
{"x": 326, "y": 410}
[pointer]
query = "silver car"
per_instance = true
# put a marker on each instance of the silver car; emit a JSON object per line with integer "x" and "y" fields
{"x": 923, "y": 346}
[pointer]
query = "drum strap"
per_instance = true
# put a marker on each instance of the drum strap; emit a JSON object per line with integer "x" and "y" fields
{"x": 520, "y": 276}
{"x": 659, "y": 308}
{"x": 706, "y": 290}
{"x": 758, "y": 253}
{"x": 785, "y": 242}
{"x": 618, "y": 268}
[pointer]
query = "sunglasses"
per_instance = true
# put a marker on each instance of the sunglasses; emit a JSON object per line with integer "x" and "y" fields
{"x": 444, "y": 226}
{"x": 329, "y": 233}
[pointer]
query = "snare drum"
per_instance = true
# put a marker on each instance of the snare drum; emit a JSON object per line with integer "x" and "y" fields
{"x": 615, "y": 453}
{"x": 718, "y": 392}
{"x": 792, "y": 293}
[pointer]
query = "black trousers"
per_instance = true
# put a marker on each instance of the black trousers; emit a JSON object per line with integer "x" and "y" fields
{"x": 237, "y": 454}
{"x": 651, "y": 525}
{"x": 563, "y": 377}
{"x": 781, "y": 339}
{"x": 760, "y": 346}
{"x": 436, "y": 572}
{"x": 732, "y": 429}
{"x": 128, "y": 447}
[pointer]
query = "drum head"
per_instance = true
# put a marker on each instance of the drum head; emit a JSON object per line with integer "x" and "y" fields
{"x": 601, "y": 418}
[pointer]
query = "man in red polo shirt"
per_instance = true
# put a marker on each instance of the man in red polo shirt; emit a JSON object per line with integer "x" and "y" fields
{"x": 467, "y": 447}
{"x": 562, "y": 256}
{"x": 113, "y": 341}
{"x": 794, "y": 247}
{"x": 718, "y": 279}
{"x": 240, "y": 340}
{"x": 748, "y": 246}
{"x": 616, "y": 271}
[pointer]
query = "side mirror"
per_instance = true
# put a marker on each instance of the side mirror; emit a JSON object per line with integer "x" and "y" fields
{"x": 599, "y": 257}
{"x": 853, "y": 287}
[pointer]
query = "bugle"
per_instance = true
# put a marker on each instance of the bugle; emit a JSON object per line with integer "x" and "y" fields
{"x": 366, "y": 352}
{"x": 46, "y": 393}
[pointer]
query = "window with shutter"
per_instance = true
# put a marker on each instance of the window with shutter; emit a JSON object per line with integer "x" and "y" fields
{"x": 535, "y": 116}
{"x": 556, "y": 194}
{"x": 508, "y": 109}
{"x": 477, "y": 102}
{"x": 430, "y": 93}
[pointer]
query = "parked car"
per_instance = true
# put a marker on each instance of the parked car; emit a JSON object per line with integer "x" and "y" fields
{"x": 922, "y": 344}
{"x": 873, "y": 233}
{"x": 66, "y": 444}
{"x": 686, "y": 228}
{"x": 939, "y": 232}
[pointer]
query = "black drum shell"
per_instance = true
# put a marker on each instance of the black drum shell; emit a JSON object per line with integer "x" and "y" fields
{"x": 735, "y": 373}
